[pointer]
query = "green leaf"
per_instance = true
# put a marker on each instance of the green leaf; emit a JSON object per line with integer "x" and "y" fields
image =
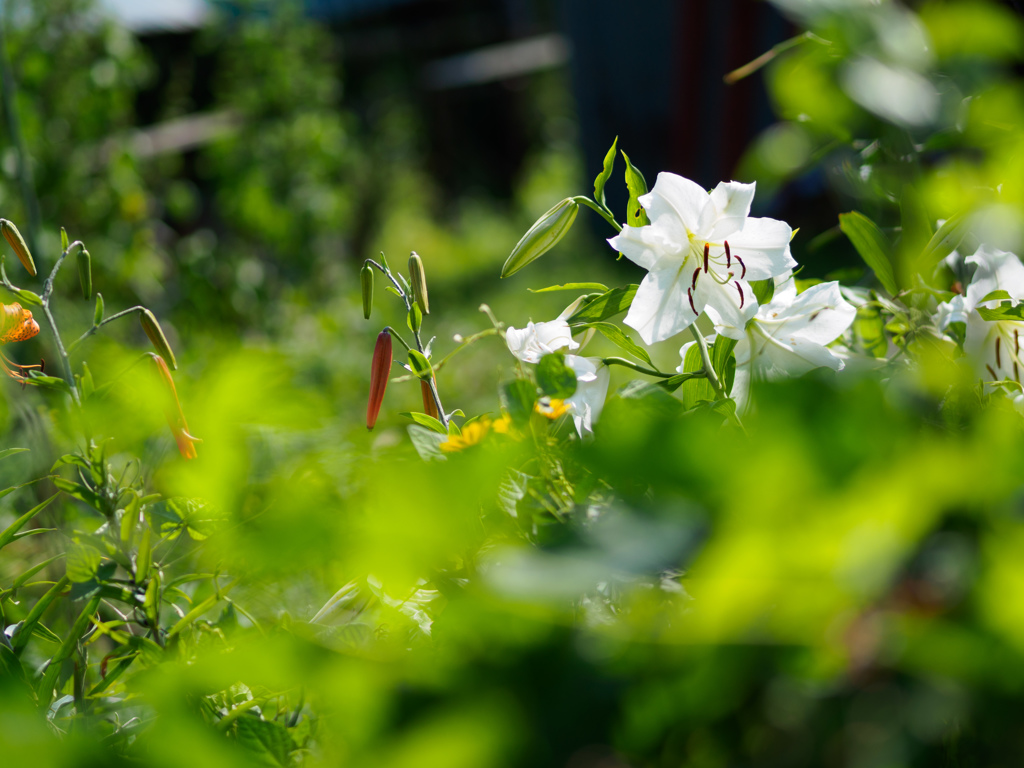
{"x": 23, "y": 578}
{"x": 10, "y": 533}
{"x": 636, "y": 216}
{"x": 27, "y": 298}
{"x": 869, "y": 330}
{"x": 11, "y": 451}
{"x": 415, "y": 318}
{"x": 619, "y": 338}
{"x": 545, "y": 233}
{"x": 24, "y": 632}
{"x": 945, "y": 240}
{"x": 872, "y": 245}
{"x": 37, "y": 379}
{"x": 83, "y": 561}
{"x": 554, "y": 377}
{"x": 1005, "y": 311}
{"x": 427, "y": 421}
{"x": 63, "y": 239}
{"x": 915, "y": 224}
{"x": 112, "y": 674}
{"x": 269, "y": 740}
{"x": 80, "y": 492}
{"x": 571, "y": 287}
{"x": 420, "y": 366}
{"x": 764, "y": 290}
{"x": 427, "y": 443}
{"x": 606, "y": 305}
{"x": 605, "y": 174}
{"x": 519, "y": 397}
{"x": 697, "y": 391}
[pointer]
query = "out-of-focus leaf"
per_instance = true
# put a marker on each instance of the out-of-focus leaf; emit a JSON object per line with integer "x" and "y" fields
{"x": 10, "y": 533}
{"x": 945, "y": 240}
{"x": 872, "y": 245}
{"x": 268, "y": 740}
{"x": 763, "y": 290}
{"x": 554, "y": 377}
{"x": 519, "y": 396}
{"x": 427, "y": 421}
{"x": 619, "y": 338}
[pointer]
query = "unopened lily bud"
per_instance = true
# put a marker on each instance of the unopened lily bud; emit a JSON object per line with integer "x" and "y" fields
{"x": 380, "y": 369}
{"x": 97, "y": 315}
{"x": 542, "y": 236}
{"x": 419, "y": 282}
{"x": 172, "y": 409}
{"x": 429, "y": 406}
{"x": 420, "y": 366}
{"x": 16, "y": 324}
{"x": 17, "y": 243}
{"x": 156, "y": 336}
{"x": 85, "y": 272}
{"x": 366, "y": 283}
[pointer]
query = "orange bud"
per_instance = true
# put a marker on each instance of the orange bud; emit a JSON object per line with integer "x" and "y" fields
{"x": 429, "y": 406}
{"x": 380, "y": 369}
{"x": 172, "y": 409}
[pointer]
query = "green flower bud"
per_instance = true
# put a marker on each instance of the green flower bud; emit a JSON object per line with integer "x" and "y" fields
{"x": 85, "y": 272}
{"x": 156, "y": 336}
{"x": 542, "y": 236}
{"x": 17, "y": 243}
{"x": 419, "y": 282}
{"x": 366, "y": 283}
{"x": 97, "y": 315}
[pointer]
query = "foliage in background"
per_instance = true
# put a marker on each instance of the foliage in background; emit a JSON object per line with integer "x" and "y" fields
{"x": 831, "y": 586}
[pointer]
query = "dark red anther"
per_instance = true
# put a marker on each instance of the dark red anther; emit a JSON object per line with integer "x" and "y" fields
{"x": 707, "y": 252}
{"x": 689, "y": 295}
{"x": 743, "y": 274}
{"x": 740, "y": 289}
{"x": 42, "y": 364}
{"x": 989, "y": 367}
{"x": 728, "y": 255}
{"x": 999, "y": 363}
{"x": 696, "y": 272}
{"x": 380, "y": 369}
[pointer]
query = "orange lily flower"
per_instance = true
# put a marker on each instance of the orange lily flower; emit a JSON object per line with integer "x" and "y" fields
{"x": 172, "y": 408}
{"x": 16, "y": 324}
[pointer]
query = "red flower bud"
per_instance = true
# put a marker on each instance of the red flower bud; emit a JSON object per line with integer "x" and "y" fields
{"x": 429, "y": 406}
{"x": 172, "y": 409}
{"x": 380, "y": 369}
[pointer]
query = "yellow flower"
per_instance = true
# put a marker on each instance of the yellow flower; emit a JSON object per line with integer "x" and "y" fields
{"x": 471, "y": 435}
{"x": 503, "y": 426}
{"x": 553, "y": 409}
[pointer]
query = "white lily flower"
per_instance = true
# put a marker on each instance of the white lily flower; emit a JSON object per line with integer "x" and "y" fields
{"x": 587, "y": 401}
{"x": 700, "y": 250}
{"x": 787, "y": 337}
{"x": 531, "y": 343}
{"x": 995, "y": 345}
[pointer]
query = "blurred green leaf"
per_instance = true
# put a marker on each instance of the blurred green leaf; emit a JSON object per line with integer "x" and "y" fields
{"x": 872, "y": 245}
{"x": 606, "y": 173}
{"x": 636, "y": 216}
{"x": 604, "y": 306}
{"x": 554, "y": 377}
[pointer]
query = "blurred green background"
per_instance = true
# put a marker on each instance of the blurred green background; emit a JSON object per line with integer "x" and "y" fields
{"x": 836, "y": 587}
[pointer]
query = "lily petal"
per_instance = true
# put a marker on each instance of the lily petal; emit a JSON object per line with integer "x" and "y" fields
{"x": 726, "y": 209}
{"x": 661, "y": 308}
{"x": 763, "y": 245}
{"x": 675, "y": 197}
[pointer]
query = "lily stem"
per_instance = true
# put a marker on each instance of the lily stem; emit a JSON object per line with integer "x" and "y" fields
{"x": 601, "y": 210}
{"x": 47, "y": 294}
{"x": 74, "y": 344}
{"x": 404, "y": 295}
{"x": 709, "y": 369}
{"x": 638, "y": 368}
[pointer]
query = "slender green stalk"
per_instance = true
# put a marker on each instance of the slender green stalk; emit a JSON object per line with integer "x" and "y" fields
{"x": 74, "y": 345}
{"x": 766, "y": 57}
{"x": 47, "y": 294}
{"x": 604, "y": 212}
{"x": 636, "y": 367}
{"x": 404, "y": 295}
{"x": 709, "y": 369}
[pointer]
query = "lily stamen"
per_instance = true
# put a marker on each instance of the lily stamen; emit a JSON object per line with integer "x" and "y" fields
{"x": 728, "y": 255}
{"x": 999, "y": 363}
{"x": 707, "y": 253}
{"x": 696, "y": 272}
{"x": 689, "y": 295}
{"x": 740, "y": 289}
{"x": 743, "y": 274}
